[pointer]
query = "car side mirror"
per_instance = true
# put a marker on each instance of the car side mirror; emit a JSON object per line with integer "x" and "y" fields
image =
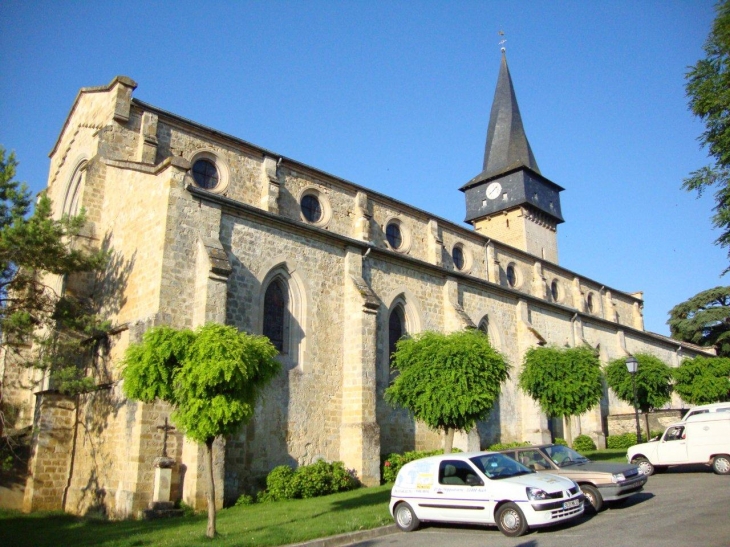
{"x": 473, "y": 480}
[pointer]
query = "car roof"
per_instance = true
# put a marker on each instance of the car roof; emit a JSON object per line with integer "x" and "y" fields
{"x": 709, "y": 406}
{"x": 456, "y": 455}
{"x": 547, "y": 445}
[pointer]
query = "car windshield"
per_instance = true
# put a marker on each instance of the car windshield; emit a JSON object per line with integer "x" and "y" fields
{"x": 499, "y": 466}
{"x": 564, "y": 456}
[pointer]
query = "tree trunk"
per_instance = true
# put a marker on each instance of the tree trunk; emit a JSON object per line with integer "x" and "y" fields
{"x": 210, "y": 532}
{"x": 568, "y": 426}
{"x": 448, "y": 440}
{"x": 648, "y": 433}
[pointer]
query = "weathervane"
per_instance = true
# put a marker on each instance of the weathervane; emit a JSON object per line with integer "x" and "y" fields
{"x": 502, "y": 42}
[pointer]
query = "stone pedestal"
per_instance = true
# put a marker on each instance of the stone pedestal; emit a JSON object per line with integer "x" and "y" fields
{"x": 161, "y": 506}
{"x": 163, "y": 479}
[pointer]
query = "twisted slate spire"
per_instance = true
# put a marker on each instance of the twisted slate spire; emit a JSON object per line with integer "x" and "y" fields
{"x": 507, "y": 146}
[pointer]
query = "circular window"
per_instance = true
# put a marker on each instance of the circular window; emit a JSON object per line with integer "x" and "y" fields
{"x": 589, "y": 302}
{"x": 314, "y": 206}
{"x": 311, "y": 208}
{"x": 458, "y": 255}
{"x": 393, "y": 235}
{"x": 397, "y": 235}
{"x": 555, "y": 290}
{"x": 511, "y": 275}
{"x": 205, "y": 174}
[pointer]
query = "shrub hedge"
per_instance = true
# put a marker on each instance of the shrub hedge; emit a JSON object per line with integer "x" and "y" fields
{"x": 625, "y": 440}
{"x": 583, "y": 443}
{"x": 308, "y": 481}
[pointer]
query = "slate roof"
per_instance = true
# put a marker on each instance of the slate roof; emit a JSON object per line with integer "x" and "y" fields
{"x": 507, "y": 146}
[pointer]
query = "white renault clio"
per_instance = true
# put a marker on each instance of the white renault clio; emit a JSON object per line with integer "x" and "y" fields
{"x": 481, "y": 488}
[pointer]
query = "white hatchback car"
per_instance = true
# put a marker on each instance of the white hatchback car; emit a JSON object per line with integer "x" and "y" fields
{"x": 481, "y": 488}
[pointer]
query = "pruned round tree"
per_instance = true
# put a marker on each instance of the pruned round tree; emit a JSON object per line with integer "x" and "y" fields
{"x": 653, "y": 382}
{"x": 448, "y": 381}
{"x": 212, "y": 377}
{"x": 703, "y": 380}
{"x": 564, "y": 381}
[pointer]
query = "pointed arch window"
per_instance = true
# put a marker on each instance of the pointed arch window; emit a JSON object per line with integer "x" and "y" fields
{"x": 275, "y": 314}
{"x": 396, "y": 328}
{"x": 72, "y": 200}
{"x": 484, "y": 326}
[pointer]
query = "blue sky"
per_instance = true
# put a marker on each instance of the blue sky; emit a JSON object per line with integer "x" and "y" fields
{"x": 395, "y": 96}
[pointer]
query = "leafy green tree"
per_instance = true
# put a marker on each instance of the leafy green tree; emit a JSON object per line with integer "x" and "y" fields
{"x": 212, "y": 377}
{"x": 61, "y": 328}
{"x": 704, "y": 320}
{"x": 448, "y": 381}
{"x": 564, "y": 381}
{"x": 653, "y": 382}
{"x": 703, "y": 380}
{"x": 708, "y": 89}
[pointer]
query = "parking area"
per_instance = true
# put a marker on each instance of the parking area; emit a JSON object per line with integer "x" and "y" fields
{"x": 689, "y": 507}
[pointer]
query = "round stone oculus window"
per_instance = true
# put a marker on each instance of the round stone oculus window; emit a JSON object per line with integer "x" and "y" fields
{"x": 393, "y": 235}
{"x": 205, "y": 174}
{"x": 458, "y": 256}
{"x": 311, "y": 208}
{"x": 555, "y": 290}
{"x": 511, "y": 275}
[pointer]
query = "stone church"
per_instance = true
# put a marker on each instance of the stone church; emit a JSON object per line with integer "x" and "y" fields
{"x": 203, "y": 226}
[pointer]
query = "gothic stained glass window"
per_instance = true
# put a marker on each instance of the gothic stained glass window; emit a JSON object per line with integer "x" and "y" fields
{"x": 275, "y": 305}
{"x": 396, "y": 329}
{"x": 484, "y": 325}
{"x": 71, "y": 203}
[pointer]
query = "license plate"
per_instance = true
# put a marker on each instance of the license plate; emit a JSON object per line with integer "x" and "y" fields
{"x": 570, "y": 504}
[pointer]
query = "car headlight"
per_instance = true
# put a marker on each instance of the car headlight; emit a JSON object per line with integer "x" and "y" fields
{"x": 618, "y": 477}
{"x": 536, "y": 493}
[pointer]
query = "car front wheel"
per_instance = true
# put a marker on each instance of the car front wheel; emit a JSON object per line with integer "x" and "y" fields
{"x": 593, "y": 496}
{"x": 510, "y": 520}
{"x": 721, "y": 464}
{"x": 405, "y": 518}
{"x": 644, "y": 465}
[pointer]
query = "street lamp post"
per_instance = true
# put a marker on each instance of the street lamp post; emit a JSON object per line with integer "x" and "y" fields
{"x": 632, "y": 365}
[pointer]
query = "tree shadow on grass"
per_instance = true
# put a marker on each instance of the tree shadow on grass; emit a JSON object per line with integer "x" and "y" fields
{"x": 53, "y": 529}
{"x": 376, "y": 498}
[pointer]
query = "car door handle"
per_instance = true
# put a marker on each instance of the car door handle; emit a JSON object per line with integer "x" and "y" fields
{"x": 439, "y": 492}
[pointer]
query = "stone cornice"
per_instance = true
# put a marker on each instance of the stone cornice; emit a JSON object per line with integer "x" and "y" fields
{"x": 238, "y": 208}
{"x": 461, "y": 231}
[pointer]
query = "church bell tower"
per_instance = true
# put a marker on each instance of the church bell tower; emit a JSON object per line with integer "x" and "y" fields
{"x": 510, "y": 201}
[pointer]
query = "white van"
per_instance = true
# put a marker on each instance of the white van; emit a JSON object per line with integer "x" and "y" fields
{"x": 706, "y": 409}
{"x": 481, "y": 488}
{"x": 702, "y": 438}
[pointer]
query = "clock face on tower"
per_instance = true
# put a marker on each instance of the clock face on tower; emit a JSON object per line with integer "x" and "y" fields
{"x": 493, "y": 190}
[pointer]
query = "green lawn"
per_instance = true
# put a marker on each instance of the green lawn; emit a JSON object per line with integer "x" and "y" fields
{"x": 261, "y": 525}
{"x": 265, "y": 524}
